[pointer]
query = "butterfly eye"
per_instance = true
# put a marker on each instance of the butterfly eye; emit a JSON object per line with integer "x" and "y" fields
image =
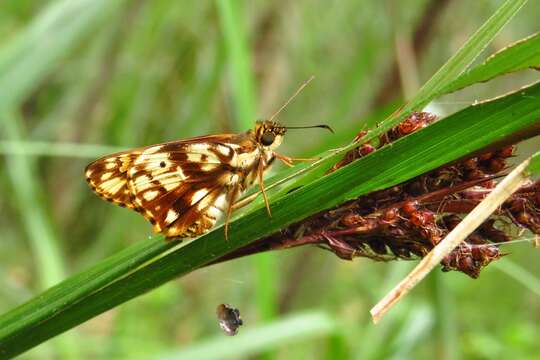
{"x": 268, "y": 138}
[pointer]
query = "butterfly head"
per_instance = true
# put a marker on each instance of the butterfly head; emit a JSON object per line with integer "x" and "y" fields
{"x": 269, "y": 133}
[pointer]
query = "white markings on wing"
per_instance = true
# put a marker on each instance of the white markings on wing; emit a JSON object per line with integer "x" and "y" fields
{"x": 172, "y": 215}
{"x": 150, "y": 195}
{"x": 113, "y": 185}
{"x": 198, "y": 195}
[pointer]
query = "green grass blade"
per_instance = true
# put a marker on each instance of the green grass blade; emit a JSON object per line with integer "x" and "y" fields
{"x": 44, "y": 242}
{"x": 89, "y": 280}
{"x": 416, "y": 328}
{"x": 251, "y": 342}
{"x": 463, "y": 57}
{"x": 519, "y": 274}
{"x": 521, "y": 55}
{"x": 44, "y": 148}
{"x": 29, "y": 57}
{"x": 241, "y": 76}
{"x": 267, "y": 279}
{"x": 445, "y": 332}
{"x": 113, "y": 282}
{"x": 454, "y": 67}
{"x": 534, "y": 166}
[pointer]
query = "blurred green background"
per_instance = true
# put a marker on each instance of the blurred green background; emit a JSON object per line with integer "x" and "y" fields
{"x": 82, "y": 78}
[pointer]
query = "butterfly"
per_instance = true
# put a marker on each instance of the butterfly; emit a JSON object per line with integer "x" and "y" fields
{"x": 183, "y": 187}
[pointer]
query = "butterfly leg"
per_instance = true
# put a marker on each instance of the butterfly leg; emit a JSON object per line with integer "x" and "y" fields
{"x": 245, "y": 201}
{"x": 260, "y": 173}
{"x": 289, "y": 161}
{"x": 230, "y": 207}
{"x": 248, "y": 199}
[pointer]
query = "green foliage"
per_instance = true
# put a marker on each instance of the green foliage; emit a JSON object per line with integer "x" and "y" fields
{"x": 286, "y": 331}
{"x": 522, "y": 55}
{"x": 451, "y": 138}
{"x": 534, "y": 166}
{"x": 131, "y": 73}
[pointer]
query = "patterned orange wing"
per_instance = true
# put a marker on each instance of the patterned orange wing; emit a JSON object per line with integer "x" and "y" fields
{"x": 107, "y": 177}
{"x": 181, "y": 188}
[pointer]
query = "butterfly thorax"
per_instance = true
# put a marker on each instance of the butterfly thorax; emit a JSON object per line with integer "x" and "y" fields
{"x": 257, "y": 145}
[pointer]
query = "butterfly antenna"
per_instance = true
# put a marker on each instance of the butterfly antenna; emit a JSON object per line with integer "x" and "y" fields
{"x": 292, "y": 97}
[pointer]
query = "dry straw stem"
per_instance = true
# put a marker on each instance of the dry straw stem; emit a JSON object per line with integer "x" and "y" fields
{"x": 512, "y": 182}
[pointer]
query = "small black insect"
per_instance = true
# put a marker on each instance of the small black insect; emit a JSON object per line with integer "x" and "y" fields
{"x": 229, "y": 319}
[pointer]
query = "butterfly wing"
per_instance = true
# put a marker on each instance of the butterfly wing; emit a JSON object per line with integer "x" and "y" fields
{"x": 107, "y": 177}
{"x": 181, "y": 187}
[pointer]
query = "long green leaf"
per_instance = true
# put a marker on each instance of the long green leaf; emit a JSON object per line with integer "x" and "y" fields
{"x": 511, "y": 117}
{"x": 521, "y": 55}
{"x": 461, "y": 59}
